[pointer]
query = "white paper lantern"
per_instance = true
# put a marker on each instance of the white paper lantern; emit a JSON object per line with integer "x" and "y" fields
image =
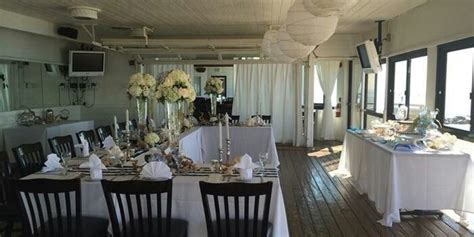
{"x": 328, "y": 7}
{"x": 308, "y": 29}
{"x": 269, "y": 37}
{"x": 278, "y": 56}
{"x": 290, "y": 47}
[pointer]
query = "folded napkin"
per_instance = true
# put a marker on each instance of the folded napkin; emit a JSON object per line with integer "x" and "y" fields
{"x": 93, "y": 163}
{"x": 156, "y": 170}
{"x": 108, "y": 142}
{"x": 246, "y": 167}
{"x": 52, "y": 163}
{"x": 85, "y": 147}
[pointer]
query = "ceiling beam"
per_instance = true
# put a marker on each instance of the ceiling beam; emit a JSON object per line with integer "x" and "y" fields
{"x": 149, "y": 51}
{"x": 186, "y": 43}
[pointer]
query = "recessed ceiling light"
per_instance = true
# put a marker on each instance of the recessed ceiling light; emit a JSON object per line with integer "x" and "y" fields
{"x": 83, "y": 12}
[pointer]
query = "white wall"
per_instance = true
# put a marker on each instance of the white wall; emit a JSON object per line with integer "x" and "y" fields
{"x": 111, "y": 91}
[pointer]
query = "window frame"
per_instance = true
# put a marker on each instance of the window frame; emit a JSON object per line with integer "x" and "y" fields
{"x": 374, "y": 111}
{"x": 391, "y": 78}
{"x": 440, "y": 100}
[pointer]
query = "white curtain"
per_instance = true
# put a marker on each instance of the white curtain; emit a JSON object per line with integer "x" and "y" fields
{"x": 157, "y": 110}
{"x": 5, "y": 73}
{"x": 327, "y": 73}
{"x": 268, "y": 89}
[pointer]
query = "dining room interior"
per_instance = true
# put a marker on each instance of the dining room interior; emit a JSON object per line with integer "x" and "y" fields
{"x": 236, "y": 118}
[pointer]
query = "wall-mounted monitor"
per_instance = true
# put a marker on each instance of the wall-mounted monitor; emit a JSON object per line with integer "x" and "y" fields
{"x": 369, "y": 59}
{"x": 86, "y": 63}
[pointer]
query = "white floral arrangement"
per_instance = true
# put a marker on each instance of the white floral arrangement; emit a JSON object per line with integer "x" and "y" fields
{"x": 174, "y": 87}
{"x": 141, "y": 85}
{"x": 214, "y": 86}
{"x": 444, "y": 142}
{"x": 152, "y": 138}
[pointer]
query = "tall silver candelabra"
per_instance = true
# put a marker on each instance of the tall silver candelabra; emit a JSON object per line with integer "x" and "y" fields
{"x": 228, "y": 143}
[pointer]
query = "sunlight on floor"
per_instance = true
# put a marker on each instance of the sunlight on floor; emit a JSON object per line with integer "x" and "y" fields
{"x": 468, "y": 222}
{"x": 326, "y": 151}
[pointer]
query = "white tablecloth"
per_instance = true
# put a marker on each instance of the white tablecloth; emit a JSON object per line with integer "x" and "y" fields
{"x": 186, "y": 204}
{"x": 397, "y": 180}
{"x": 201, "y": 143}
{"x": 16, "y": 136}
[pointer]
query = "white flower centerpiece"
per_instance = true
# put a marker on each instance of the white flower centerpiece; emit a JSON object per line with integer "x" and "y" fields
{"x": 152, "y": 139}
{"x": 214, "y": 87}
{"x": 141, "y": 87}
{"x": 174, "y": 90}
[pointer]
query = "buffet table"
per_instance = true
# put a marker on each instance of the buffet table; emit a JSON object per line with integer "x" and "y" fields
{"x": 201, "y": 143}
{"x": 16, "y": 136}
{"x": 394, "y": 180}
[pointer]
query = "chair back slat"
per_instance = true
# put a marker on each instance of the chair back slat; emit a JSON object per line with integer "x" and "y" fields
{"x": 89, "y": 136}
{"x": 42, "y": 211}
{"x": 103, "y": 132}
{"x": 5, "y": 175}
{"x": 233, "y": 224}
{"x": 235, "y": 119}
{"x": 267, "y": 119}
{"x": 29, "y": 158}
{"x": 62, "y": 144}
{"x": 130, "y": 205}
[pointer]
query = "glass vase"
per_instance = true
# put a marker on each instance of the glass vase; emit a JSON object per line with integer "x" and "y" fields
{"x": 213, "y": 98}
{"x": 175, "y": 115}
{"x": 142, "y": 112}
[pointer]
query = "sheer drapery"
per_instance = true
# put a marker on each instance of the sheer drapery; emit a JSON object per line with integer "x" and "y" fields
{"x": 6, "y": 71}
{"x": 267, "y": 89}
{"x": 157, "y": 110}
{"x": 327, "y": 73}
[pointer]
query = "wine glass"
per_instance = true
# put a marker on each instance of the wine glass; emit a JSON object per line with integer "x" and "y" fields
{"x": 66, "y": 157}
{"x": 262, "y": 157}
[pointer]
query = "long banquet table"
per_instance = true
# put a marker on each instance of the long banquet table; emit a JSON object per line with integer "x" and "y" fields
{"x": 395, "y": 180}
{"x": 201, "y": 143}
{"x": 187, "y": 203}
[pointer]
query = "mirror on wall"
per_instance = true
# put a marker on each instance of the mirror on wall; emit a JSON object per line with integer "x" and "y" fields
{"x": 31, "y": 85}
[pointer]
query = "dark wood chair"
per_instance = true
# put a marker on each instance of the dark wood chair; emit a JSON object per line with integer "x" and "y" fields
{"x": 89, "y": 136}
{"x": 60, "y": 145}
{"x": 133, "y": 124}
{"x": 121, "y": 126}
{"x": 103, "y": 132}
{"x": 55, "y": 209}
{"x": 122, "y": 197}
{"x": 234, "y": 119}
{"x": 9, "y": 212}
{"x": 251, "y": 224}
{"x": 29, "y": 158}
{"x": 267, "y": 118}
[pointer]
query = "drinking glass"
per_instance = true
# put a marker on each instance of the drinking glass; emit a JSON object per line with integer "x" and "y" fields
{"x": 263, "y": 157}
{"x": 66, "y": 157}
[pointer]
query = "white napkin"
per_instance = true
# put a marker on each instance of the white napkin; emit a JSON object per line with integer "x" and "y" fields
{"x": 246, "y": 167}
{"x": 156, "y": 170}
{"x": 252, "y": 121}
{"x": 85, "y": 147}
{"x": 94, "y": 163}
{"x": 108, "y": 142}
{"x": 52, "y": 163}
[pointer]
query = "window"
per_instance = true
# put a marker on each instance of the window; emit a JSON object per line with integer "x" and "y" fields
{"x": 407, "y": 82}
{"x": 455, "y": 78}
{"x": 375, "y": 86}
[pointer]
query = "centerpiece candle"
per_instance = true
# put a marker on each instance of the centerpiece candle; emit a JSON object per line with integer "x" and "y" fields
{"x": 220, "y": 135}
{"x": 227, "y": 126}
{"x": 126, "y": 120}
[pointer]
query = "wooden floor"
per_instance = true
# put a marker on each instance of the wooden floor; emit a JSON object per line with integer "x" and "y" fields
{"x": 320, "y": 205}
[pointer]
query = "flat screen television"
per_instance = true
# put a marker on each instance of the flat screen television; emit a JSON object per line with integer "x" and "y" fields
{"x": 86, "y": 63}
{"x": 369, "y": 59}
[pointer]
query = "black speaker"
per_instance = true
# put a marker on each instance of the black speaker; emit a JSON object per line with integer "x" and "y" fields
{"x": 68, "y": 32}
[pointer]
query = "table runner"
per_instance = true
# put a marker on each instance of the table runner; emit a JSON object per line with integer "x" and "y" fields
{"x": 397, "y": 180}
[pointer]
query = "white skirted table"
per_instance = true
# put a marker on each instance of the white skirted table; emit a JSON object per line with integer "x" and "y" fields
{"x": 397, "y": 180}
{"x": 201, "y": 143}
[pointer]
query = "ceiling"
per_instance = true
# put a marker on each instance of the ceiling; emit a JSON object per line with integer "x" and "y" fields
{"x": 232, "y": 19}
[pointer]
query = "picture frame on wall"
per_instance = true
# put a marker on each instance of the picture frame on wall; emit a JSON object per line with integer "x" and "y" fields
{"x": 224, "y": 84}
